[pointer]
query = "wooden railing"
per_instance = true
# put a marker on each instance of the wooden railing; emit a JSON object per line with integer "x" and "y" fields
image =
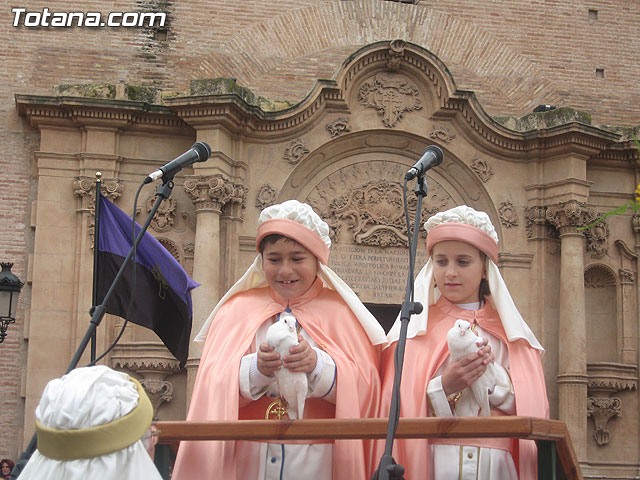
{"x": 557, "y": 459}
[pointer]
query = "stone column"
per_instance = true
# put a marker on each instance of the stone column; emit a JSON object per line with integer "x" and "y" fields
{"x": 572, "y": 330}
{"x": 209, "y": 195}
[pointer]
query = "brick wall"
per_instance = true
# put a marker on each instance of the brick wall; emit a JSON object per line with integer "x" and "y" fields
{"x": 513, "y": 54}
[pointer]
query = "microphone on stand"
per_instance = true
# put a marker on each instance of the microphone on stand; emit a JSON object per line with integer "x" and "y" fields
{"x": 199, "y": 152}
{"x": 432, "y": 157}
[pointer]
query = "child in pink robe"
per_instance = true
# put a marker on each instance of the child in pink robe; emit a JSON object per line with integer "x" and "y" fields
{"x": 461, "y": 270}
{"x": 339, "y": 350}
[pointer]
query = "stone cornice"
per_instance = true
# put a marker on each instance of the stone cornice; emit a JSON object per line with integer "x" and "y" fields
{"x": 238, "y": 116}
{"x": 97, "y": 112}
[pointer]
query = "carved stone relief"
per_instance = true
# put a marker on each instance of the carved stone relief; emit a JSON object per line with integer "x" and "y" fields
{"x": 266, "y": 196}
{"x": 598, "y": 276}
{"x": 536, "y": 220}
{"x": 635, "y": 222}
{"x": 602, "y": 410}
{"x": 85, "y": 188}
{"x": 627, "y": 276}
{"x": 165, "y": 215}
{"x": 396, "y": 52}
{"x": 597, "y": 239}
{"x": 482, "y": 169}
{"x": 508, "y": 214}
{"x": 213, "y": 192}
{"x": 172, "y": 247}
{"x": 362, "y": 209}
{"x": 338, "y": 126}
{"x": 295, "y": 151}
{"x": 568, "y": 216}
{"x": 391, "y": 95}
{"x": 442, "y": 133}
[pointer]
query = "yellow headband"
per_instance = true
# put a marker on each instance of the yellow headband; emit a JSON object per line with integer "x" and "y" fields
{"x": 99, "y": 440}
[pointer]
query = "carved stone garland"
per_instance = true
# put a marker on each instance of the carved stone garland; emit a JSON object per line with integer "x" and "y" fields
{"x": 391, "y": 95}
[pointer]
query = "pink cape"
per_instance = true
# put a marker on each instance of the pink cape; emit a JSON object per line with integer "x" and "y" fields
{"x": 426, "y": 353}
{"x": 327, "y": 319}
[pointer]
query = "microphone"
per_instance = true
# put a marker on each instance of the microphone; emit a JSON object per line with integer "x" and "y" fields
{"x": 198, "y": 152}
{"x": 432, "y": 157}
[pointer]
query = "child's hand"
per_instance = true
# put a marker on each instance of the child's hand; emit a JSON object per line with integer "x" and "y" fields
{"x": 302, "y": 357}
{"x": 268, "y": 360}
{"x": 463, "y": 372}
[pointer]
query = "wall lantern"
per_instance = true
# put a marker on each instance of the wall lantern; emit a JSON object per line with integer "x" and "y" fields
{"x": 10, "y": 287}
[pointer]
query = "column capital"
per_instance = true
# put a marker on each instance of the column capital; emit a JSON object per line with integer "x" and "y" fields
{"x": 213, "y": 192}
{"x": 568, "y": 216}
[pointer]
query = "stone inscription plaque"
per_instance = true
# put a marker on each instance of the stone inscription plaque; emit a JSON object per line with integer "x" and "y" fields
{"x": 377, "y": 275}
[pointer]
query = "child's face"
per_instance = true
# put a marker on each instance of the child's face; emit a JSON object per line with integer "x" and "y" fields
{"x": 290, "y": 268}
{"x": 458, "y": 269}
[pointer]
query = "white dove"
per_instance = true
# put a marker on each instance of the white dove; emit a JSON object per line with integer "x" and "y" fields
{"x": 463, "y": 341}
{"x": 292, "y": 385}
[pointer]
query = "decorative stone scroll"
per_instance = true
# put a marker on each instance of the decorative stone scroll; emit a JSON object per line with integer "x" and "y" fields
{"x": 391, "y": 95}
{"x": 482, "y": 169}
{"x": 602, "y": 410}
{"x": 295, "y": 151}
{"x": 508, "y": 214}
{"x": 266, "y": 196}
{"x": 338, "y": 126}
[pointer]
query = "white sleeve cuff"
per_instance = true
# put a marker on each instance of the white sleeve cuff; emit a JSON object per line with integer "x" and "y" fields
{"x": 322, "y": 380}
{"x": 438, "y": 399}
{"x": 253, "y": 384}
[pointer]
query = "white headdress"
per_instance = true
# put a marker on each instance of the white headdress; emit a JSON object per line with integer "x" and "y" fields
{"x": 90, "y": 424}
{"x": 308, "y": 229}
{"x": 454, "y": 224}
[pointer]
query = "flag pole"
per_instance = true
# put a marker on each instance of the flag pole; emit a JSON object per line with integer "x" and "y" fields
{"x": 96, "y": 238}
{"x": 162, "y": 193}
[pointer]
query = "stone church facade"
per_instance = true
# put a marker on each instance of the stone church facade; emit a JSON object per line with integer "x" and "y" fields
{"x": 344, "y": 149}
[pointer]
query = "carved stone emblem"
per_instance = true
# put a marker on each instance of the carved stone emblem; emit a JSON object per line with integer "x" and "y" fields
{"x": 338, "y": 126}
{"x": 508, "y": 214}
{"x": 442, "y": 134}
{"x": 597, "y": 238}
{"x": 361, "y": 209}
{"x": 165, "y": 215}
{"x": 266, "y": 196}
{"x": 482, "y": 169}
{"x": 602, "y": 410}
{"x": 295, "y": 151}
{"x": 391, "y": 95}
{"x": 396, "y": 52}
{"x": 626, "y": 276}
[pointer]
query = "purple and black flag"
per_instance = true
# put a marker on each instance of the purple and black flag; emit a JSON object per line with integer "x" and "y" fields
{"x": 162, "y": 300}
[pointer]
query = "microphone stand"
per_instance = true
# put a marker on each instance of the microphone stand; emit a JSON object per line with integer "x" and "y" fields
{"x": 388, "y": 469}
{"x": 163, "y": 192}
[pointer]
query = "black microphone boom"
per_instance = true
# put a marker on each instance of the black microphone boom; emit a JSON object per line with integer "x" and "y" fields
{"x": 432, "y": 157}
{"x": 198, "y": 152}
